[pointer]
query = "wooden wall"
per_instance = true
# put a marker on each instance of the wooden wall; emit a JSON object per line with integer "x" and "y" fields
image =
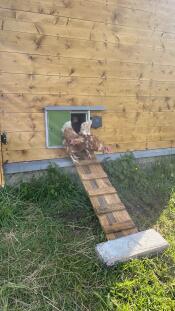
{"x": 117, "y": 53}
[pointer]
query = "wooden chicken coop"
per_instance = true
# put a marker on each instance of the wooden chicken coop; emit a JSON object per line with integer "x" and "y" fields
{"x": 109, "y": 60}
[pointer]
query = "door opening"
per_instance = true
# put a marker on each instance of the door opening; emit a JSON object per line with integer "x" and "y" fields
{"x": 77, "y": 118}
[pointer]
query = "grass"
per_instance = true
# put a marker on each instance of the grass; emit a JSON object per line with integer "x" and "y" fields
{"x": 49, "y": 231}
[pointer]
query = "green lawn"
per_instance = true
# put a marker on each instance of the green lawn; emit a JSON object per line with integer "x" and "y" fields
{"x": 49, "y": 232}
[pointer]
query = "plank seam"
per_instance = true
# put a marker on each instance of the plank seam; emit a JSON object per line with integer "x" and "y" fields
{"x": 76, "y": 18}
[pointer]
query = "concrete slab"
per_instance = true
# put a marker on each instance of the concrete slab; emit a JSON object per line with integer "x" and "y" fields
{"x": 139, "y": 244}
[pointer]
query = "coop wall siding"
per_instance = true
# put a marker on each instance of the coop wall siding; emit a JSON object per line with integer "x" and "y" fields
{"x": 117, "y": 54}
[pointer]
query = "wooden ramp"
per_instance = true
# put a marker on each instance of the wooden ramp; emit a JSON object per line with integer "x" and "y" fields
{"x": 112, "y": 214}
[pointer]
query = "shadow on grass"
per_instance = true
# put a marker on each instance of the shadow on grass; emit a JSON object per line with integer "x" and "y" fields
{"x": 145, "y": 190}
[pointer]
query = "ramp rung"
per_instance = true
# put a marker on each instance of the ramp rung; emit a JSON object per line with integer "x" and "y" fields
{"x": 101, "y": 191}
{"x": 119, "y": 226}
{"x": 109, "y": 209}
{"x": 87, "y": 162}
{"x": 119, "y": 234}
{"x": 93, "y": 176}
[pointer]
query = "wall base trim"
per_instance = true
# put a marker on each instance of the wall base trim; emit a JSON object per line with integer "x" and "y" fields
{"x": 22, "y": 167}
